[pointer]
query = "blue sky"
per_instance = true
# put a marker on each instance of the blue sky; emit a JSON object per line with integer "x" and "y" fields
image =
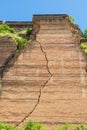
{"x": 23, "y": 10}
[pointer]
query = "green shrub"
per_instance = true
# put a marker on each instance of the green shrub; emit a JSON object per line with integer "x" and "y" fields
{"x": 84, "y": 35}
{"x": 71, "y": 19}
{"x": 72, "y": 127}
{"x": 84, "y": 38}
{"x": 64, "y": 127}
{"x": 5, "y": 30}
{"x": 84, "y": 47}
{"x": 80, "y": 127}
{"x": 6, "y": 127}
{"x": 28, "y": 31}
{"x": 31, "y": 125}
{"x": 19, "y": 40}
{"x": 22, "y": 32}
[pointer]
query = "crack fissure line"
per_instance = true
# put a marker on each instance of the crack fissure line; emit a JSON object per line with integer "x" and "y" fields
{"x": 45, "y": 58}
{"x": 40, "y": 91}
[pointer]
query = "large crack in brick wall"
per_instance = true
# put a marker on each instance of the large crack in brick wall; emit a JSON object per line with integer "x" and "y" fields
{"x": 32, "y": 76}
{"x": 47, "y": 82}
{"x": 64, "y": 96}
{"x": 40, "y": 91}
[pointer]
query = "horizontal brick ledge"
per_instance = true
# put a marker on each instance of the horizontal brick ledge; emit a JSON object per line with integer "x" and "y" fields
{"x": 49, "y": 16}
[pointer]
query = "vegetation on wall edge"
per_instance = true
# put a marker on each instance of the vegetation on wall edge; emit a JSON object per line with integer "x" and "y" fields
{"x": 21, "y": 38}
{"x": 32, "y": 125}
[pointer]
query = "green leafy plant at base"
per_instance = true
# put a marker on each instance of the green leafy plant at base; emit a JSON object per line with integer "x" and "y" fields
{"x": 72, "y": 127}
{"x": 80, "y": 127}
{"x": 4, "y": 126}
{"x": 64, "y": 127}
{"x": 31, "y": 125}
{"x": 5, "y": 30}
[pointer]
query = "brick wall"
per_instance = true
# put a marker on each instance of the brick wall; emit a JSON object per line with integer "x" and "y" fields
{"x": 47, "y": 82}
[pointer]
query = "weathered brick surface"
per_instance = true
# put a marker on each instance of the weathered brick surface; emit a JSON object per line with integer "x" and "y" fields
{"x": 22, "y": 84}
{"x": 64, "y": 97}
{"x": 7, "y": 49}
{"x": 47, "y": 83}
{"x": 19, "y": 25}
